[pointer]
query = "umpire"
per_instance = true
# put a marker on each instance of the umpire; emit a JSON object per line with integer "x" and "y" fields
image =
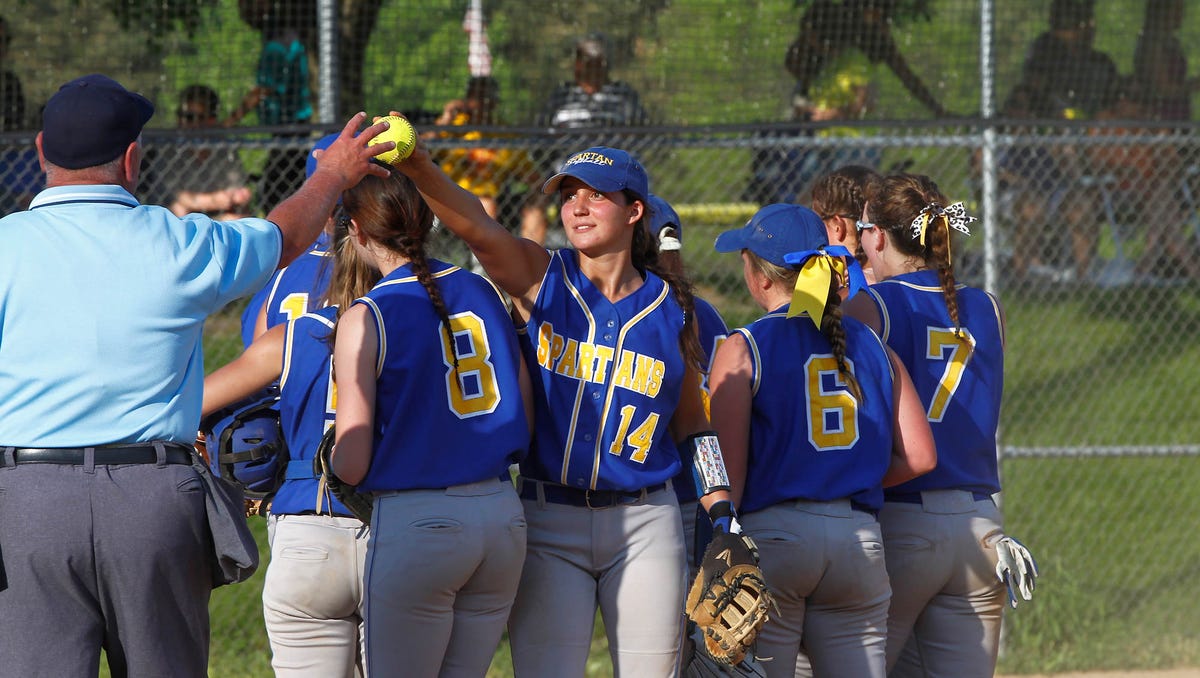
{"x": 103, "y": 537}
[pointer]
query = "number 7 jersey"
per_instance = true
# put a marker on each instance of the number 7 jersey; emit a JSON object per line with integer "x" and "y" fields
{"x": 960, "y": 380}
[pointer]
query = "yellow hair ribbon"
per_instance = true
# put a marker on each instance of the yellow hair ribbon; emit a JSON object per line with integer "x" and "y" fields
{"x": 812, "y": 286}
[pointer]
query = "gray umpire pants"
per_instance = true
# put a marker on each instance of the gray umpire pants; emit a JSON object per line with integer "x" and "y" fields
{"x": 114, "y": 557}
{"x": 947, "y": 602}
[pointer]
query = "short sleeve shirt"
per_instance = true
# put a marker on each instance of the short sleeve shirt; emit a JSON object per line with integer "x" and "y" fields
{"x": 102, "y": 306}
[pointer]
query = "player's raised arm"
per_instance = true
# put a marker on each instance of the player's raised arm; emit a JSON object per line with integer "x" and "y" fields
{"x": 515, "y": 264}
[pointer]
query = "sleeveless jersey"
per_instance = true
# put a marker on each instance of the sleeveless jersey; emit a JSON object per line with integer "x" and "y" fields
{"x": 437, "y": 425}
{"x": 606, "y": 379}
{"x": 307, "y": 402}
{"x": 809, "y": 437}
{"x": 712, "y": 332}
{"x": 960, "y": 383}
{"x": 292, "y": 290}
{"x": 301, "y": 285}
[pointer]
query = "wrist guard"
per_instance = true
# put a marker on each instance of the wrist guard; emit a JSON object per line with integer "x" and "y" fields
{"x": 708, "y": 466}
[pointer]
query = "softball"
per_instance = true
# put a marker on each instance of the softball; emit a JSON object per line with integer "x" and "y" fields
{"x": 400, "y": 131}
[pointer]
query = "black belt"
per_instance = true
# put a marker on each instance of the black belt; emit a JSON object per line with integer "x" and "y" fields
{"x": 594, "y": 499}
{"x": 176, "y": 453}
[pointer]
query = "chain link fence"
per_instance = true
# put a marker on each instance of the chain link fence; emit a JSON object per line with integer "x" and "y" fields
{"x": 1089, "y": 232}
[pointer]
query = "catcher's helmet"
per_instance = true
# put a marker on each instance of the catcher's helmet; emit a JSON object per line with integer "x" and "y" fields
{"x": 249, "y": 444}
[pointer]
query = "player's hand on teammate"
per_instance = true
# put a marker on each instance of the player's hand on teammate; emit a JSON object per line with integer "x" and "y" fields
{"x": 1016, "y": 569}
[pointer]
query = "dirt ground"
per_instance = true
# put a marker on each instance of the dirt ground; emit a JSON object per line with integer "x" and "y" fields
{"x": 1173, "y": 673}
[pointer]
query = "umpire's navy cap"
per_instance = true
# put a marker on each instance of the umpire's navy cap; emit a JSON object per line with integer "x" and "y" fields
{"x": 776, "y": 230}
{"x": 605, "y": 169}
{"x": 92, "y": 120}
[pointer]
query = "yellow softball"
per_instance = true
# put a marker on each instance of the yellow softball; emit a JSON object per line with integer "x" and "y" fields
{"x": 400, "y": 131}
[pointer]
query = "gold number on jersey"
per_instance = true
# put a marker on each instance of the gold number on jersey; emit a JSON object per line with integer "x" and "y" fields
{"x": 640, "y": 440}
{"x": 471, "y": 389}
{"x": 832, "y": 412}
{"x": 330, "y": 399}
{"x": 294, "y": 305}
{"x": 943, "y": 344}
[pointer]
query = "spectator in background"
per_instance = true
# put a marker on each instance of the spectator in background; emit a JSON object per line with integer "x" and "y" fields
{"x": 281, "y": 96}
{"x": 830, "y": 28}
{"x": 591, "y": 101}
{"x": 21, "y": 175}
{"x": 1142, "y": 182}
{"x": 203, "y": 178}
{"x": 1032, "y": 191}
{"x": 1160, "y": 64}
{"x": 786, "y": 173}
{"x": 498, "y": 176}
{"x": 12, "y": 97}
{"x": 1066, "y": 78}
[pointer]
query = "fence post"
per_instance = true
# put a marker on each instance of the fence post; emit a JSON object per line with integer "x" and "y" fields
{"x": 327, "y": 64}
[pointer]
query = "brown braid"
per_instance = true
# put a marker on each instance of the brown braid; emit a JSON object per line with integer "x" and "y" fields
{"x": 893, "y": 203}
{"x": 843, "y": 192}
{"x": 392, "y": 213}
{"x": 831, "y": 327}
{"x": 831, "y": 320}
{"x": 644, "y": 251}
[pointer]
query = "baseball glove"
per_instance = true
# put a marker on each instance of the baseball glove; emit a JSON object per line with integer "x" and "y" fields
{"x": 359, "y": 504}
{"x": 697, "y": 663}
{"x": 728, "y": 601}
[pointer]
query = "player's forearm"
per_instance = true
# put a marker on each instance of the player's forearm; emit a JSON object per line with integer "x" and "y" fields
{"x": 302, "y": 215}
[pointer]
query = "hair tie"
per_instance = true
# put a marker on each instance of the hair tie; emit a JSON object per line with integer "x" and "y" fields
{"x": 816, "y": 271}
{"x": 955, "y": 216}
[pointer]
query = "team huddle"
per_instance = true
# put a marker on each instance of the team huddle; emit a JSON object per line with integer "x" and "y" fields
{"x": 822, "y": 479}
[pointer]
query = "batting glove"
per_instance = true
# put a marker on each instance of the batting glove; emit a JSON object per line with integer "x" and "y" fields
{"x": 1016, "y": 569}
{"x": 724, "y": 517}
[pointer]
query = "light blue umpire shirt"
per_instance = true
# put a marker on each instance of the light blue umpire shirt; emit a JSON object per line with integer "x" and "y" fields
{"x": 102, "y": 304}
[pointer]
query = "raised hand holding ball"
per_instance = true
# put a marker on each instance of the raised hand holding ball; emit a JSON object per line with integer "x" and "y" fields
{"x": 400, "y": 131}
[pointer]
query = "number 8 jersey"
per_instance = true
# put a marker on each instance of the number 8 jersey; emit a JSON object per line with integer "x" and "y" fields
{"x": 439, "y": 424}
{"x": 960, "y": 381}
{"x": 606, "y": 379}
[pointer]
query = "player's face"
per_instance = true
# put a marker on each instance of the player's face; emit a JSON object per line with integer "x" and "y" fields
{"x": 594, "y": 220}
{"x": 868, "y": 234}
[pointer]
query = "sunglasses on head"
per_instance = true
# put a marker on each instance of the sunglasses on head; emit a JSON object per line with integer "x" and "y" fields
{"x": 861, "y": 225}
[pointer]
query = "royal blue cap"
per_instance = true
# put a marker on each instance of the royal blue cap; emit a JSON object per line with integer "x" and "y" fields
{"x": 775, "y": 231}
{"x": 663, "y": 215}
{"x": 605, "y": 169}
{"x": 92, "y": 120}
{"x": 322, "y": 144}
